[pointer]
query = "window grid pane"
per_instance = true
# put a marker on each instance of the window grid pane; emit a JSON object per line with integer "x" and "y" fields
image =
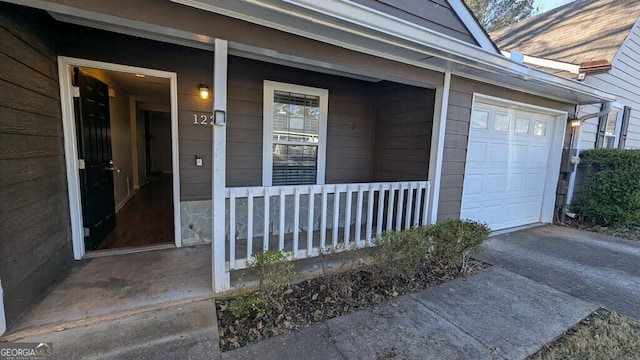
{"x": 295, "y": 117}
{"x": 502, "y": 122}
{"x": 479, "y": 119}
{"x": 611, "y": 123}
{"x": 294, "y": 164}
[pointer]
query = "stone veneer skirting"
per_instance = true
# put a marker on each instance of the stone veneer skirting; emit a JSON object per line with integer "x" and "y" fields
{"x": 196, "y": 222}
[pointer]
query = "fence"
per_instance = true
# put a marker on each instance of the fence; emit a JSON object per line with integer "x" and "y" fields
{"x": 304, "y": 219}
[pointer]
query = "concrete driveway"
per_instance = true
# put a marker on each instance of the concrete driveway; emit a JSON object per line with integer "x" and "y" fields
{"x": 597, "y": 268}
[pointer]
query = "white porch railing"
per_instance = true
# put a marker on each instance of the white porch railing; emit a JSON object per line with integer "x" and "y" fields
{"x": 303, "y": 219}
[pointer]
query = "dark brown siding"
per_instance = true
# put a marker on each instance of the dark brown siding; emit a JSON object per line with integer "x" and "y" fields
{"x": 404, "y": 119}
{"x": 178, "y": 16}
{"x": 35, "y": 230}
{"x": 191, "y": 65}
{"x": 349, "y": 124}
{"x": 436, "y": 15}
{"x": 457, "y": 135}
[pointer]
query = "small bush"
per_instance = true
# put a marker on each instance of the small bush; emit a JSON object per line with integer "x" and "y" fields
{"x": 611, "y": 192}
{"x": 250, "y": 304}
{"x": 275, "y": 273}
{"x": 453, "y": 241}
{"x": 399, "y": 253}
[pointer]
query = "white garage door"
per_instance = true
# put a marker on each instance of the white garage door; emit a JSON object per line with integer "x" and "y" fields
{"x": 507, "y": 166}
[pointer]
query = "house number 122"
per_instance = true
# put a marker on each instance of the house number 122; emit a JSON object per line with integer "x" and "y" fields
{"x": 202, "y": 119}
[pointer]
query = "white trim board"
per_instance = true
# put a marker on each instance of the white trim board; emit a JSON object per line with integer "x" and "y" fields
{"x": 551, "y": 64}
{"x": 472, "y": 25}
{"x": 437, "y": 144}
{"x": 71, "y": 152}
{"x": 555, "y": 154}
{"x": 456, "y": 53}
{"x": 3, "y": 320}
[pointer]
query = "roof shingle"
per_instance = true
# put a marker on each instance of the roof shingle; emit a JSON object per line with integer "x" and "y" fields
{"x": 577, "y": 32}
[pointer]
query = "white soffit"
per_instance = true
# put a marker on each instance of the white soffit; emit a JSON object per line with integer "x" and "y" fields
{"x": 354, "y": 26}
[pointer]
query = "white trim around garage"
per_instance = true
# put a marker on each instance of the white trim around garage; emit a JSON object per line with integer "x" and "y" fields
{"x": 555, "y": 154}
{"x": 71, "y": 152}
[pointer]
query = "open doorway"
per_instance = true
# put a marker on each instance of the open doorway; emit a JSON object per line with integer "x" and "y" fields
{"x": 121, "y": 126}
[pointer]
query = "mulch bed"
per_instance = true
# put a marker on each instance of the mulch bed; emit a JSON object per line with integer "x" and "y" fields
{"x": 322, "y": 298}
{"x": 629, "y": 232}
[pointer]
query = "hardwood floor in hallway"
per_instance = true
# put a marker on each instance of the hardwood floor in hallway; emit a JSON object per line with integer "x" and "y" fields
{"x": 147, "y": 218}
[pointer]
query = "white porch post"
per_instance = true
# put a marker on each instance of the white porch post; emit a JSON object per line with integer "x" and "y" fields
{"x": 220, "y": 276}
{"x": 437, "y": 145}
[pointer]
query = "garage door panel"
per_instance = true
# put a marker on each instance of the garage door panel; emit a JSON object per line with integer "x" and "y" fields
{"x": 507, "y": 167}
{"x": 475, "y": 185}
{"x": 521, "y": 154}
{"x": 477, "y": 152}
{"x": 499, "y": 152}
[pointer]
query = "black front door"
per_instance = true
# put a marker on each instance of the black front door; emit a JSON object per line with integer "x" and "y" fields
{"x": 94, "y": 149}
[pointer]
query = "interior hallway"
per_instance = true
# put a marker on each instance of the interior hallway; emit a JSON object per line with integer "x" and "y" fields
{"x": 147, "y": 218}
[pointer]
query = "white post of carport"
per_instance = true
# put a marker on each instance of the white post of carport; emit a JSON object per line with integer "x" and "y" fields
{"x": 220, "y": 277}
{"x": 437, "y": 144}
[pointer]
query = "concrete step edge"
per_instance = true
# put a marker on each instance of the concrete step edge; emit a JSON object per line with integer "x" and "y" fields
{"x": 56, "y": 327}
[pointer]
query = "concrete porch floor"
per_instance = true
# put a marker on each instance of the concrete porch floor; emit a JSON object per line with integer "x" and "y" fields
{"x": 120, "y": 285}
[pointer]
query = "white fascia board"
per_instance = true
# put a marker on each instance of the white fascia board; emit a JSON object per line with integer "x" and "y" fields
{"x": 458, "y": 51}
{"x": 382, "y": 28}
{"x": 551, "y": 64}
{"x": 472, "y": 25}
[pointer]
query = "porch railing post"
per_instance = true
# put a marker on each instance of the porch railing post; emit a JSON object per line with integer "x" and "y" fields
{"x": 220, "y": 276}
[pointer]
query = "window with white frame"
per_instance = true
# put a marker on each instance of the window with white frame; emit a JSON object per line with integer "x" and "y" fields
{"x": 610, "y": 129}
{"x": 294, "y": 134}
{"x": 612, "y": 126}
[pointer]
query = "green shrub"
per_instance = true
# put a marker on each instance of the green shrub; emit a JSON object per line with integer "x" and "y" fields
{"x": 399, "y": 253}
{"x": 452, "y": 242}
{"x": 253, "y": 304}
{"x": 611, "y": 191}
{"x": 275, "y": 273}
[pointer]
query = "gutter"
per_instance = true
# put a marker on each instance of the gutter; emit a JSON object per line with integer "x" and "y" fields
{"x": 414, "y": 42}
{"x": 451, "y": 49}
{"x": 551, "y": 64}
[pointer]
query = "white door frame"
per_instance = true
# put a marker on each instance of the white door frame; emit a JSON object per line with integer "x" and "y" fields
{"x": 3, "y": 320}
{"x": 71, "y": 153}
{"x": 555, "y": 154}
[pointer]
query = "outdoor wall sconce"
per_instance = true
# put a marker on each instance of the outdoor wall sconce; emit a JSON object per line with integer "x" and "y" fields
{"x": 203, "y": 88}
{"x": 575, "y": 123}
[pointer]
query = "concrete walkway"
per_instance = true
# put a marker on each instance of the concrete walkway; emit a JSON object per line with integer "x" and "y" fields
{"x": 597, "y": 268}
{"x": 495, "y": 314}
{"x": 529, "y": 297}
{"x": 492, "y": 315}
